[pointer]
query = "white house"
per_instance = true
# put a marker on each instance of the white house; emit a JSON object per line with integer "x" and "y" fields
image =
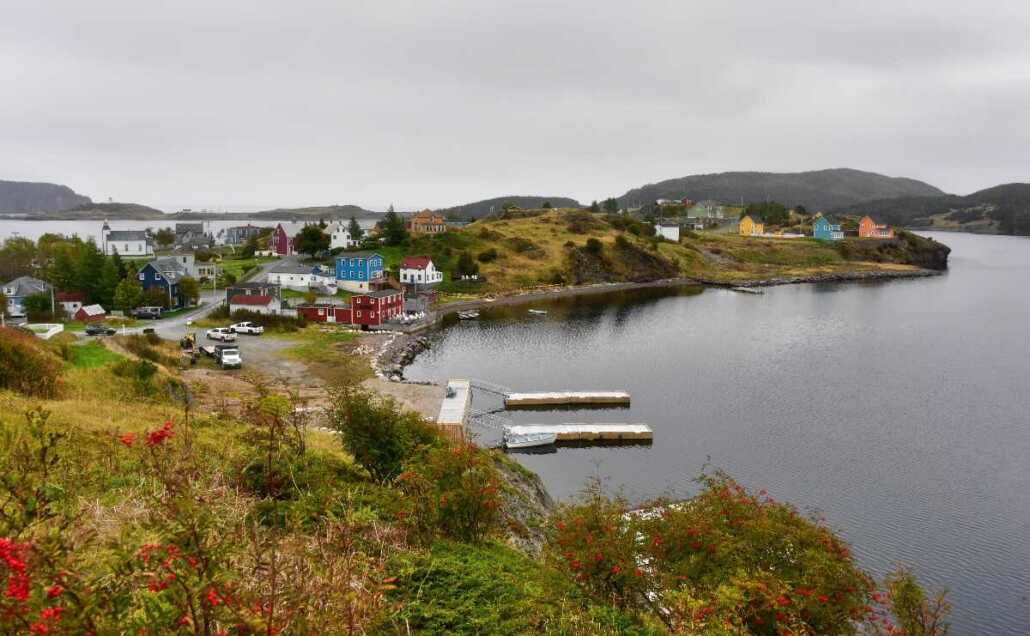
{"x": 193, "y": 268}
{"x": 130, "y": 243}
{"x": 668, "y": 231}
{"x": 256, "y": 303}
{"x": 297, "y": 277}
{"x": 339, "y": 236}
{"x": 419, "y": 270}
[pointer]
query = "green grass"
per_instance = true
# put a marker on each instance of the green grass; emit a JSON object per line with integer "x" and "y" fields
{"x": 457, "y": 588}
{"x": 237, "y": 266}
{"x": 92, "y": 355}
{"x": 316, "y": 344}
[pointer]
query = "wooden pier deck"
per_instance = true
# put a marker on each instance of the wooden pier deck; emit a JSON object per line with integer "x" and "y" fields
{"x": 587, "y": 432}
{"x": 455, "y": 408}
{"x": 567, "y": 398}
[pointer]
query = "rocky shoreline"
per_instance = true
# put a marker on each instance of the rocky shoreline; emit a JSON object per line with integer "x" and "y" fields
{"x": 403, "y": 348}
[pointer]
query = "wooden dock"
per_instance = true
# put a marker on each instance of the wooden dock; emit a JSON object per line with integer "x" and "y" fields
{"x": 588, "y": 432}
{"x": 567, "y": 398}
{"x": 455, "y": 408}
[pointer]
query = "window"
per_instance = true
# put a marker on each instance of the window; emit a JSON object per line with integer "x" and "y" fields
{"x": 141, "y": 276}
{"x": 157, "y": 277}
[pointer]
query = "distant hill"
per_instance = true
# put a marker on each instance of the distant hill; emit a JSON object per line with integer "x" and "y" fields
{"x": 20, "y": 197}
{"x": 1002, "y": 209}
{"x": 816, "y": 190}
{"x": 327, "y": 212}
{"x": 486, "y": 207}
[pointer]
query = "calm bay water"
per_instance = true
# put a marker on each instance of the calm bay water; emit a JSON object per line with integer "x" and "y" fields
{"x": 899, "y": 411}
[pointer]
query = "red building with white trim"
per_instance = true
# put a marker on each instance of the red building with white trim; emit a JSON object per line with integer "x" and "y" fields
{"x": 366, "y": 310}
{"x": 281, "y": 242}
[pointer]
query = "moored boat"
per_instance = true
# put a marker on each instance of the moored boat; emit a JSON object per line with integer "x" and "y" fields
{"x": 538, "y": 312}
{"x": 471, "y": 314}
{"x": 528, "y": 440}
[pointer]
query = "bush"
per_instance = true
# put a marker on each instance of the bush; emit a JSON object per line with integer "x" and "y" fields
{"x": 725, "y": 558}
{"x": 377, "y": 433}
{"x": 272, "y": 322}
{"x": 26, "y": 366}
{"x": 452, "y": 491}
{"x": 144, "y": 347}
{"x": 594, "y": 246}
{"x": 487, "y": 256}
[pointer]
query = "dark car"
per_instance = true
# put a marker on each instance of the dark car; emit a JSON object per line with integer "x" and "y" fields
{"x": 148, "y": 313}
{"x": 100, "y": 329}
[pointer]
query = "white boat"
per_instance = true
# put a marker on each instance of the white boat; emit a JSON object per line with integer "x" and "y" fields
{"x": 538, "y": 312}
{"x": 471, "y": 314}
{"x": 528, "y": 440}
{"x": 747, "y": 290}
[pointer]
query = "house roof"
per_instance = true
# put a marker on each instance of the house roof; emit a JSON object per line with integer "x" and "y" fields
{"x": 364, "y": 254}
{"x": 197, "y": 228}
{"x": 128, "y": 235}
{"x": 251, "y": 285}
{"x": 253, "y": 299}
{"x": 668, "y": 224}
{"x": 92, "y": 310}
{"x": 382, "y": 293}
{"x": 290, "y": 268}
{"x": 27, "y": 286}
{"x": 70, "y": 297}
{"x": 415, "y": 262}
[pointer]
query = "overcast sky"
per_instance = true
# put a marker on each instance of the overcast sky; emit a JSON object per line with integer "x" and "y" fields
{"x": 436, "y": 103}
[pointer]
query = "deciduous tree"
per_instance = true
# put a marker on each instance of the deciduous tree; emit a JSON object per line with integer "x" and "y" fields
{"x": 311, "y": 240}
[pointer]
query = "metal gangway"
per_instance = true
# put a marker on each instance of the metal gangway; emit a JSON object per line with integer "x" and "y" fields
{"x": 490, "y": 387}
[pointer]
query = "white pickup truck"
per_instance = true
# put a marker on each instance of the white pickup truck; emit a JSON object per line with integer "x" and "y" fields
{"x": 227, "y": 356}
{"x": 248, "y": 327}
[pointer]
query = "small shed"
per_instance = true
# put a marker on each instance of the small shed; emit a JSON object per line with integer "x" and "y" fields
{"x": 90, "y": 313}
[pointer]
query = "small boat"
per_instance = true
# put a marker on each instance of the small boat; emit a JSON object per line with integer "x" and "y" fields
{"x": 747, "y": 290}
{"x": 528, "y": 440}
{"x": 538, "y": 312}
{"x": 471, "y": 314}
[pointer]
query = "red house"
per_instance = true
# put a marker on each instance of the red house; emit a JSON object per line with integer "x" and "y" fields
{"x": 90, "y": 313}
{"x": 375, "y": 308}
{"x": 868, "y": 228}
{"x": 325, "y": 313}
{"x": 281, "y": 242}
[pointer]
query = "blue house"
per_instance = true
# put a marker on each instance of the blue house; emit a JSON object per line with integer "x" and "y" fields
{"x": 164, "y": 274}
{"x": 356, "y": 270}
{"x": 824, "y": 230}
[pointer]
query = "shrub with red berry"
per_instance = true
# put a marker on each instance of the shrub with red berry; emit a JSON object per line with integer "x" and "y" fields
{"x": 453, "y": 491}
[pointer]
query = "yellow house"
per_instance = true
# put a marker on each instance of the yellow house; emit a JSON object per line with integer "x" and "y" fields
{"x": 750, "y": 227}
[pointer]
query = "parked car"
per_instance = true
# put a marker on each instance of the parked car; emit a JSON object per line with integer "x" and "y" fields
{"x": 100, "y": 329}
{"x": 248, "y": 327}
{"x": 228, "y": 357}
{"x": 147, "y": 313}
{"x": 224, "y": 334}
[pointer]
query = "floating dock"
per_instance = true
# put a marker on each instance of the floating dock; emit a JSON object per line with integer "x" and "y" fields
{"x": 567, "y": 398}
{"x": 588, "y": 432}
{"x": 454, "y": 411}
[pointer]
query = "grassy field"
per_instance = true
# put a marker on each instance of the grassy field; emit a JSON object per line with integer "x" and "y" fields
{"x": 316, "y": 343}
{"x": 238, "y": 266}
{"x": 92, "y": 355}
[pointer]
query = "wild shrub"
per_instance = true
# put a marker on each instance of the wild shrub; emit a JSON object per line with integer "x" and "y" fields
{"x": 726, "y": 559}
{"x": 26, "y": 366}
{"x": 453, "y": 491}
{"x": 487, "y": 256}
{"x": 594, "y": 246}
{"x": 377, "y": 432}
{"x": 285, "y": 324}
{"x": 581, "y": 222}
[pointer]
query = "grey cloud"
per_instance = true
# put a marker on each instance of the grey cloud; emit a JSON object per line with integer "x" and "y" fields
{"x": 435, "y": 103}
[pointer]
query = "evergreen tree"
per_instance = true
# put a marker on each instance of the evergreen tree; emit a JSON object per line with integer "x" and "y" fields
{"x": 311, "y": 240}
{"x": 62, "y": 273}
{"x": 594, "y": 207}
{"x": 354, "y": 229}
{"x": 109, "y": 280}
{"x": 393, "y": 228}
{"x": 128, "y": 294}
{"x": 466, "y": 266}
{"x": 119, "y": 265}
{"x": 87, "y": 271}
{"x": 546, "y": 205}
{"x": 611, "y": 205}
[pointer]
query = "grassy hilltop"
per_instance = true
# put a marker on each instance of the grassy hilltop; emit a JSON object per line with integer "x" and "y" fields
{"x": 531, "y": 248}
